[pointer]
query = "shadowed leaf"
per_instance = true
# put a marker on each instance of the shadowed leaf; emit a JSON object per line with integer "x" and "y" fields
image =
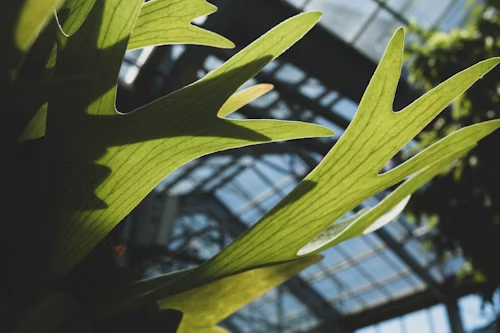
{"x": 111, "y": 161}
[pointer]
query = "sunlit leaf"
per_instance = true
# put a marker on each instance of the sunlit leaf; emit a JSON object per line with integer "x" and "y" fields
{"x": 351, "y": 172}
{"x": 242, "y": 98}
{"x": 205, "y": 306}
{"x": 21, "y": 22}
{"x": 73, "y": 13}
{"x": 169, "y": 22}
{"x": 368, "y": 220}
{"x": 158, "y": 23}
{"x": 32, "y": 19}
{"x": 111, "y": 161}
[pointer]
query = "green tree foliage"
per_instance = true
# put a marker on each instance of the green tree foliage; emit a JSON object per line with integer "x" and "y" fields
{"x": 466, "y": 200}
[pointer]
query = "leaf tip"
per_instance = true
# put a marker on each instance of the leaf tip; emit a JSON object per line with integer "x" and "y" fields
{"x": 488, "y": 64}
{"x": 398, "y": 39}
{"x": 226, "y": 43}
{"x": 316, "y": 14}
{"x": 209, "y": 8}
{"x": 492, "y": 125}
{"x": 495, "y": 61}
{"x": 266, "y": 87}
{"x": 323, "y": 131}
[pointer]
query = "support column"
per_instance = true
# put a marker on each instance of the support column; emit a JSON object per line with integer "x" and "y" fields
{"x": 454, "y": 317}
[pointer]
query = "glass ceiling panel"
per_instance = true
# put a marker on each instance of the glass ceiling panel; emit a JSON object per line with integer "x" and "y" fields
{"x": 399, "y": 287}
{"x": 425, "y": 12}
{"x": 290, "y": 74}
{"x": 373, "y": 297}
{"x": 344, "y": 18}
{"x": 368, "y": 24}
{"x": 353, "y": 278}
{"x": 374, "y": 39}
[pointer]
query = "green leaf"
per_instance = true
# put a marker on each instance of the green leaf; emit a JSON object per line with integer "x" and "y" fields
{"x": 21, "y": 22}
{"x": 72, "y": 14}
{"x": 205, "y": 306}
{"x": 368, "y": 220}
{"x": 36, "y": 126}
{"x": 32, "y": 19}
{"x": 111, "y": 161}
{"x": 169, "y": 22}
{"x": 158, "y": 24}
{"x": 242, "y": 98}
{"x": 350, "y": 173}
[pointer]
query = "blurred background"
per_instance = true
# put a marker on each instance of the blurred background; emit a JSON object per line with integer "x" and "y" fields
{"x": 436, "y": 268}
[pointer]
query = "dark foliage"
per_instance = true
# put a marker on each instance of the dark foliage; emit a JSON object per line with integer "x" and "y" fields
{"x": 465, "y": 200}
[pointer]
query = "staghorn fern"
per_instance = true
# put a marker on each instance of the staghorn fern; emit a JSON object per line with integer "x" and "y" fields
{"x": 87, "y": 165}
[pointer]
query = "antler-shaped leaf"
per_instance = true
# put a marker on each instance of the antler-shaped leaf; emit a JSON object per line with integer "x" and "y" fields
{"x": 158, "y": 23}
{"x": 21, "y": 23}
{"x": 368, "y": 220}
{"x": 205, "y": 306}
{"x": 111, "y": 161}
{"x": 242, "y": 98}
{"x": 350, "y": 173}
{"x": 169, "y": 22}
{"x": 72, "y": 14}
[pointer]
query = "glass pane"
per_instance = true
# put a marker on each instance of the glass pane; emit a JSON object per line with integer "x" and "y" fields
{"x": 377, "y": 267}
{"x": 344, "y": 18}
{"x": 353, "y": 278}
{"x": 390, "y": 326}
{"x": 228, "y": 197}
{"x": 399, "y": 287}
{"x": 289, "y": 74}
{"x": 395, "y": 261}
{"x": 327, "y": 288}
{"x": 439, "y": 319}
{"x": 373, "y": 297}
{"x": 332, "y": 257}
{"x": 473, "y": 316}
{"x": 417, "y": 322}
{"x": 349, "y": 305}
{"x": 280, "y": 111}
{"x": 375, "y": 37}
{"x": 291, "y": 304}
{"x": 346, "y": 108}
{"x": 367, "y": 330}
{"x": 212, "y": 62}
{"x": 424, "y": 12}
{"x": 416, "y": 250}
{"x": 312, "y": 88}
{"x": 251, "y": 183}
{"x": 297, "y": 3}
{"x": 355, "y": 247}
{"x": 329, "y": 98}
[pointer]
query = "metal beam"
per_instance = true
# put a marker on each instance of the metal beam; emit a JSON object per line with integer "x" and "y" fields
{"x": 402, "y": 306}
{"x": 305, "y": 293}
{"x": 454, "y": 317}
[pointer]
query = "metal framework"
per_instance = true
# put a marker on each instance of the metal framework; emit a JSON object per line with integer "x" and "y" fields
{"x": 361, "y": 282}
